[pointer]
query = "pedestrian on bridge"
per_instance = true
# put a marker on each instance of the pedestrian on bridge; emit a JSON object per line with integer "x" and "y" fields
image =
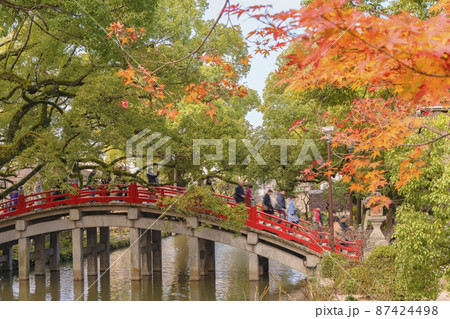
{"x": 151, "y": 177}
{"x": 318, "y": 216}
{"x": 13, "y": 195}
{"x": 248, "y": 196}
{"x": 292, "y": 211}
{"x": 280, "y": 205}
{"x": 267, "y": 203}
{"x": 239, "y": 193}
{"x": 208, "y": 183}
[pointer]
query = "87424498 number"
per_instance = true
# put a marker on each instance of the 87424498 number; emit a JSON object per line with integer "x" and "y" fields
{"x": 404, "y": 311}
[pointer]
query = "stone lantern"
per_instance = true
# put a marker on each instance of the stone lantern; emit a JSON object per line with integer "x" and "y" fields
{"x": 376, "y": 237}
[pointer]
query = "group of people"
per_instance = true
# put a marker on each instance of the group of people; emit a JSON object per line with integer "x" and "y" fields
{"x": 241, "y": 195}
{"x": 340, "y": 226}
{"x": 246, "y": 196}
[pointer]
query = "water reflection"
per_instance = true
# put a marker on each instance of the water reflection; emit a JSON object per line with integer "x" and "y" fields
{"x": 229, "y": 282}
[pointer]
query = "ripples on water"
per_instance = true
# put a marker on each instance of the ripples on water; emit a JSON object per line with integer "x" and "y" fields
{"x": 229, "y": 283}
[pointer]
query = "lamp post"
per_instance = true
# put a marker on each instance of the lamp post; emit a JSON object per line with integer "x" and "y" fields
{"x": 328, "y": 131}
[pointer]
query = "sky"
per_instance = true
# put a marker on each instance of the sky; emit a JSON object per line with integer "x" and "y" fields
{"x": 260, "y": 66}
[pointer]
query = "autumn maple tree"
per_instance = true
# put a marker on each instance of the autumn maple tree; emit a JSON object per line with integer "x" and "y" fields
{"x": 157, "y": 96}
{"x": 400, "y": 61}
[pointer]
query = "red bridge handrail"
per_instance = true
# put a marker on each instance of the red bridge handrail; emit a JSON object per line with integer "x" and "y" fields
{"x": 302, "y": 232}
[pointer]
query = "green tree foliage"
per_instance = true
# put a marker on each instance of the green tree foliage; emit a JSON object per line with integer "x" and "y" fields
{"x": 60, "y": 93}
{"x": 200, "y": 200}
{"x": 422, "y": 232}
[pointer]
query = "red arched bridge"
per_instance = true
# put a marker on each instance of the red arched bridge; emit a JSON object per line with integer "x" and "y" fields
{"x": 41, "y": 216}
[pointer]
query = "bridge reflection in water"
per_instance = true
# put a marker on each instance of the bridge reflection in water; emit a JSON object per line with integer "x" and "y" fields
{"x": 230, "y": 281}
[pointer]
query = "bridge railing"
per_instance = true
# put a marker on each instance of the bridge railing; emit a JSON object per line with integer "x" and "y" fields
{"x": 302, "y": 232}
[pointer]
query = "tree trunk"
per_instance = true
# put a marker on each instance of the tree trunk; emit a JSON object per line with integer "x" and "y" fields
{"x": 358, "y": 211}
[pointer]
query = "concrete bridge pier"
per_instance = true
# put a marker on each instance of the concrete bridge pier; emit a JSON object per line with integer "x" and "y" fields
{"x": 6, "y": 258}
{"x": 156, "y": 251}
{"x": 77, "y": 247}
{"x": 23, "y": 250}
{"x": 91, "y": 251}
{"x": 196, "y": 252}
{"x": 146, "y": 252}
{"x": 24, "y": 258}
{"x": 104, "y": 254}
{"x": 150, "y": 243}
{"x": 55, "y": 251}
{"x": 201, "y": 253}
{"x": 39, "y": 255}
{"x": 210, "y": 249}
{"x": 253, "y": 266}
{"x": 201, "y": 257}
{"x": 135, "y": 254}
{"x": 257, "y": 265}
{"x": 77, "y": 254}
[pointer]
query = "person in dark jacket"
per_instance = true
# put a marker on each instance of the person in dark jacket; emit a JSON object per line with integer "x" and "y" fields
{"x": 267, "y": 203}
{"x": 91, "y": 181}
{"x": 152, "y": 178}
{"x": 13, "y": 195}
{"x": 281, "y": 204}
{"x": 239, "y": 193}
{"x": 208, "y": 183}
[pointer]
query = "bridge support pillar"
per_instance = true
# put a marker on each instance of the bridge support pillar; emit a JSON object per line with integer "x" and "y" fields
{"x": 203, "y": 257}
{"x": 263, "y": 266}
{"x": 92, "y": 263}
{"x": 135, "y": 254}
{"x": 146, "y": 252}
{"x": 54, "y": 246}
{"x": 197, "y": 258}
{"x": 6, "y": 258}
{"x": 151, "y": 252}
{"x": 210, "y": 255}
{"x": 253, "y": 266}
{"x": 39, "y": 255}
{"x": 312, "y": 263}
{"x": 77, "y": 254}
{"x": 156, "y": 251}
{"x": 104, "y": 255}
{"x": 24, "y": 258}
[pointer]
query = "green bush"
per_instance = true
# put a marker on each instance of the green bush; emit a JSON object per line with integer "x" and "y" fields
{"x": 375, "y": 278}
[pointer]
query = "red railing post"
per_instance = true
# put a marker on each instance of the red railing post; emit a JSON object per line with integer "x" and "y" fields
{"x": 102, "y": 190}
{"x": 132, "y": 192}
{"x": 20, "y": 207}
{"x": 252, "y": 217}
{"x": 74, "y": 198}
